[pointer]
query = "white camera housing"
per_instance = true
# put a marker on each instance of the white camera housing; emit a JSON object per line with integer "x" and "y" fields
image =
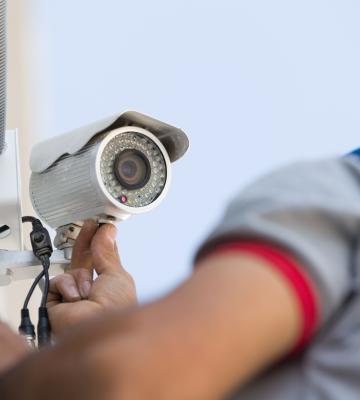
{"x": 72, "y": 174}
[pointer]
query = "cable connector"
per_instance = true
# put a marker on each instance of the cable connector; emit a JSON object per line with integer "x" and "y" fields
{"x": 43, "y": 328}
{"x": 40, "y": 240}
{"x": 26, "y": 328}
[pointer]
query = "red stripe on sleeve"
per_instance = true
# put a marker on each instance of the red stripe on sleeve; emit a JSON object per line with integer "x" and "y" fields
{"x": 292, "y": 271}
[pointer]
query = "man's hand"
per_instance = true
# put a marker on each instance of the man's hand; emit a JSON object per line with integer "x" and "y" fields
{"x": 12, "y": 348}
{"x": 75, "y": 296}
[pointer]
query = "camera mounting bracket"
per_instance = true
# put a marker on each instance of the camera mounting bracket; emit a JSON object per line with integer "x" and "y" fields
{"x": 66, "y": 236}
{"x": 20, "y": 265}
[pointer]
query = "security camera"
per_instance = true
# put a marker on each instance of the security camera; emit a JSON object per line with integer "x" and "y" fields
{"x": 107, "y": 171}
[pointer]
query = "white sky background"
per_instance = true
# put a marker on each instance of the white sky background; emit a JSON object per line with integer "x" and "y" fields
{"x": 255, "y": 84}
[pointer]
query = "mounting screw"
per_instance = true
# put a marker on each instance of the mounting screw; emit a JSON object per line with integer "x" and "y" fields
{"x": 4, "y": 231}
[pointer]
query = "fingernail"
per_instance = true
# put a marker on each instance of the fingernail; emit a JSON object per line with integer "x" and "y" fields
{"x": 73, "y": 292}
{"x": 85, "y": 288}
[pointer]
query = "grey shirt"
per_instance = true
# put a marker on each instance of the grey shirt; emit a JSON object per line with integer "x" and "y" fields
{"x": 312, "y": 209}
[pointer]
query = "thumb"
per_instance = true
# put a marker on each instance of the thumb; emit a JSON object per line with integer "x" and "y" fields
{"x": 104, "y": 250}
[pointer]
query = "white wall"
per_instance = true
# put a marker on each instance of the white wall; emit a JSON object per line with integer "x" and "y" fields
{"x": 254, "y": 83}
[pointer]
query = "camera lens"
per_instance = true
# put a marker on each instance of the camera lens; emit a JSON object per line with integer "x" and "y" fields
{"x": 132, "y": 169}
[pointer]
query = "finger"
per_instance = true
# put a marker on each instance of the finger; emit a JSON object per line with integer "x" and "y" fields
{"x": 81, "y": 256}
{"x": 84, "y": 279}
{"x": 53, "y": 299}
{"x": 65, "y": 286}
{"x": 104, "y": 250}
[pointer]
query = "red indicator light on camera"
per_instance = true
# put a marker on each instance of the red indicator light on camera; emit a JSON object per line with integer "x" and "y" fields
{"x": 123, "y": 199}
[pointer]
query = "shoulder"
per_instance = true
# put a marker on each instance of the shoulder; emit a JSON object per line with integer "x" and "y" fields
{"x": 306, "y": 181}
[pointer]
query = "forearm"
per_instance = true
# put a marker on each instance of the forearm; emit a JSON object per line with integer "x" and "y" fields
{"x": 233, "y": 318}
{"x": 214, "y": 332}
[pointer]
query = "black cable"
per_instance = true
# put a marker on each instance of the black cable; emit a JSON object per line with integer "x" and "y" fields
{"x": 42, "y": 249}
{"x": 43, "y": 328}
{"x": 46, "y": 265}
{"x": 32, "y": 288}
{"x": 29, "y": 218}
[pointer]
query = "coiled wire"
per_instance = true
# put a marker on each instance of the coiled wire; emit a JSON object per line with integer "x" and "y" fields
{"x": 3, "y": 68}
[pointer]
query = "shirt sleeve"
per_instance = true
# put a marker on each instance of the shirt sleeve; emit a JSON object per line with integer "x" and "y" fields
{"x": 309, "y": 210}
